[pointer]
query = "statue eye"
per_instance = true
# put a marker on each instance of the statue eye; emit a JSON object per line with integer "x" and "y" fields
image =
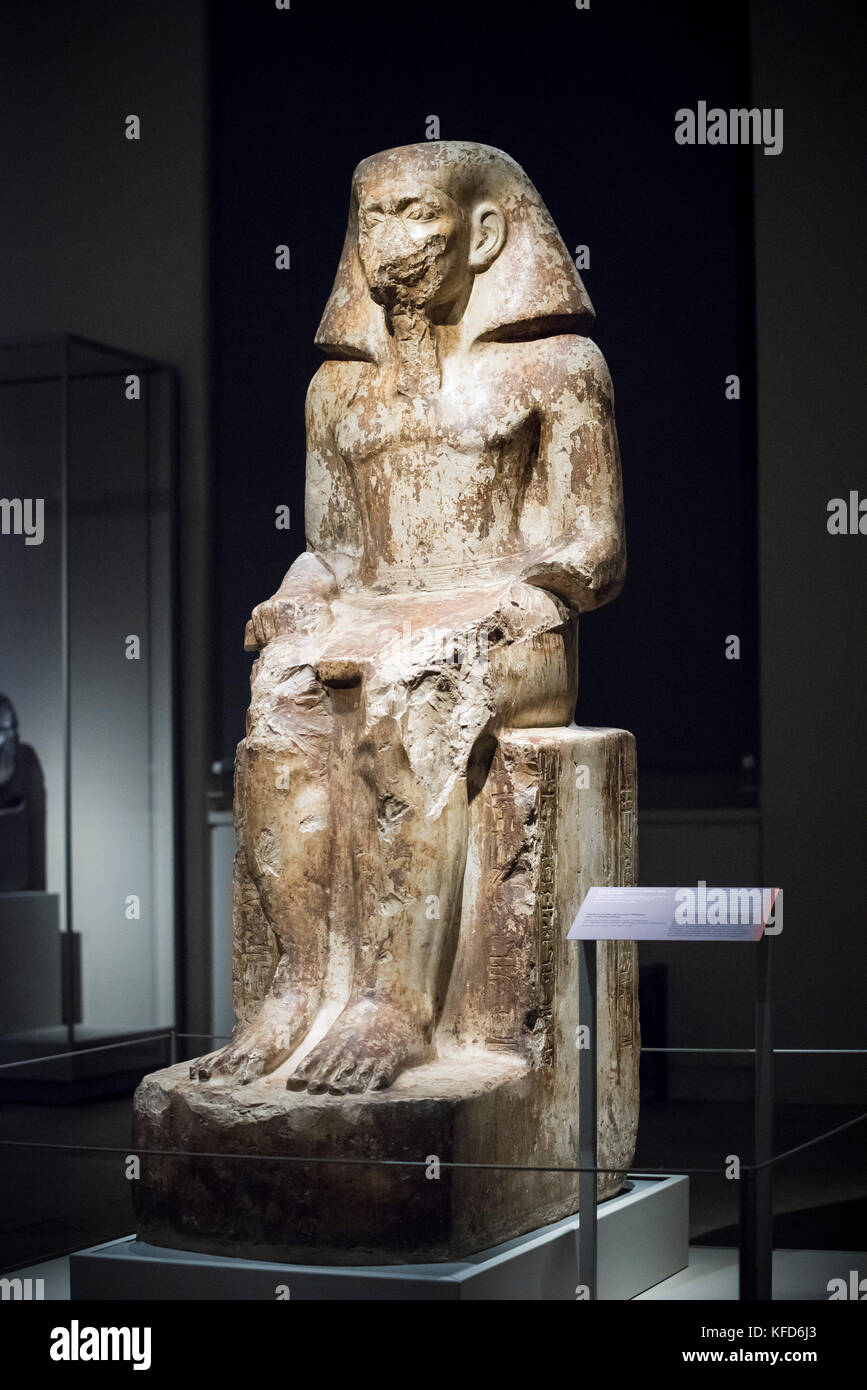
{"x": 371, "y": 217}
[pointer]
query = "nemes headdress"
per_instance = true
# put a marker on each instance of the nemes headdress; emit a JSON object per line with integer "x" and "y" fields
{"x": 530, "y": 290}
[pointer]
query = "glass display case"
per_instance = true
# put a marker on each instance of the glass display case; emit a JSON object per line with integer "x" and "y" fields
{"x": 87, "y": 736}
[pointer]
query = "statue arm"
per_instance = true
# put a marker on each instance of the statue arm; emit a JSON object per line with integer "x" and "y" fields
{"x": 301, "y": 603}
{"x": 573, "y": 512}
{"x": 332, "y": 515}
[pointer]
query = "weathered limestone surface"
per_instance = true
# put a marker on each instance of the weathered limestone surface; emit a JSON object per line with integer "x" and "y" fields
{"x": 503, "y": 1088}
{"x": 417, "y": 818}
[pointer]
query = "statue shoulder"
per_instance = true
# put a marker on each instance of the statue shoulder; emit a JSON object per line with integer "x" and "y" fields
{"x": 330, "y": 387}
{"x": 573, "y": 366}
{"x": 569, "y": 357}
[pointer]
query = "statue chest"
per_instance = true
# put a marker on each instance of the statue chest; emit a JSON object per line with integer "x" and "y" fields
{"x": 474, "y": 432}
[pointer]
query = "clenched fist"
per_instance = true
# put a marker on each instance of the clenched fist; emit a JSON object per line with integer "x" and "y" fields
{"x": 301, "y": 605}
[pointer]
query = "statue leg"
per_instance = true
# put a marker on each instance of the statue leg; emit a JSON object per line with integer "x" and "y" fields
{"x": 423, "y": 717}
{"x": 409, "y": 824}
{"x": 408, "y": 871}
{"x": 285, "y": 800}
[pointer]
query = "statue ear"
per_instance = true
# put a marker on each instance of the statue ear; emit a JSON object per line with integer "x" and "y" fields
{"x": 487, "y": 235}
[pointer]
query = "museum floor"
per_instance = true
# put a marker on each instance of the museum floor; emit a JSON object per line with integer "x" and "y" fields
{"x": 55, "y": 1201}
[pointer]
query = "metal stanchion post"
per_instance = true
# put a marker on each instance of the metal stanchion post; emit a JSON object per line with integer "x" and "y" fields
{"x": 756, "y": 1207}
{"x": 587, "y": 1228}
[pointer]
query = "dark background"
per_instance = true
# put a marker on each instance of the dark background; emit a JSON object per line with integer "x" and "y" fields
{"x": 585, "y": 102}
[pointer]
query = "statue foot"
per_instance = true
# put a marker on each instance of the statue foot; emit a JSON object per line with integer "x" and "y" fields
{"x": 363, "y": 1050}
{"x": 259, "y": 1047}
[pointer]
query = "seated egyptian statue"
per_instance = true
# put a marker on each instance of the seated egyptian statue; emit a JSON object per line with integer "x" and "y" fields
{"x": 463, "y": 506}
{"x": 418, "y": 818}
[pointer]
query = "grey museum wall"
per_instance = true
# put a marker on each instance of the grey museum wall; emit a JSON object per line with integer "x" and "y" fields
{"x": 107, "y": 238}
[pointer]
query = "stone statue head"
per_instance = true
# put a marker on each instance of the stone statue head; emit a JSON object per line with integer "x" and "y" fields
{"x": 8, "y": 740}
{"x": 457, "y": 230}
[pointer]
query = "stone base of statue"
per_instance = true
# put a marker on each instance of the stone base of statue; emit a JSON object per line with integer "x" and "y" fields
{"x": 274, "y": 1174}
{"x": 643, "y": 1236}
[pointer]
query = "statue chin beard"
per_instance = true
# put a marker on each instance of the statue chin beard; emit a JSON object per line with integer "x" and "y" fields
{"x": 407, "y": 293}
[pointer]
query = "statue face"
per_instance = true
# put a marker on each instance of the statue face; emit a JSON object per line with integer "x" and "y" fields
{"x": 413, "y": 243}
{"x": 454, "y": 232}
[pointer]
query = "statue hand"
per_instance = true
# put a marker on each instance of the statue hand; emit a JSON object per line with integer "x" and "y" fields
{"x": 527, "y": 602}
{"x": 583, "y": 574}
{"x": 300, "y": 607}
{"x": 299, "y": 613}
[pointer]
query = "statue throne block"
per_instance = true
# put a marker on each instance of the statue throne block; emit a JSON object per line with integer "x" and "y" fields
{"x": 268, "y": 1173}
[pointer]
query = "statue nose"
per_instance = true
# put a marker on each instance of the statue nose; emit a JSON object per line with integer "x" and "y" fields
{"x": 394, "y": 242}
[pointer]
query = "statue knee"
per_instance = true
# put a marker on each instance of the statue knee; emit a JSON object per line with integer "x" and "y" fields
{"x": 291, "y": 713}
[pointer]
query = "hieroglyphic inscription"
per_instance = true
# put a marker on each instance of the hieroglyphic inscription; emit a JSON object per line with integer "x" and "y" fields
{"x": 502, "y": 995}
{"x": 624, "y": 1000}
{"x": 505, "y": 884}
{"x": 546, "y": 909}
{"x": 255, "y": 952}
{"x": 625, "y": 957}
{"x": 627, "y": 834}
